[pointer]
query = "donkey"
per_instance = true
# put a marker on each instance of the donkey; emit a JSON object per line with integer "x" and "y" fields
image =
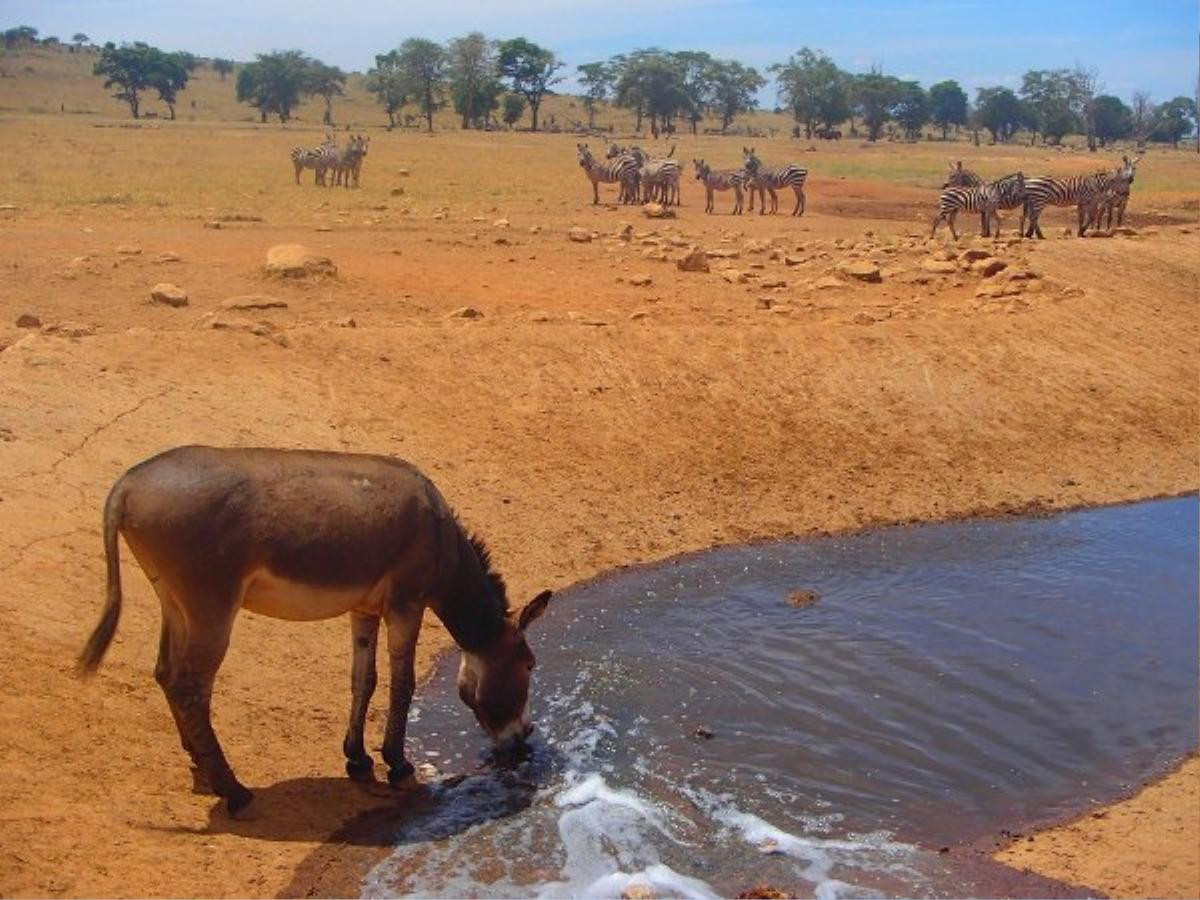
{"x": 306, "y": 535}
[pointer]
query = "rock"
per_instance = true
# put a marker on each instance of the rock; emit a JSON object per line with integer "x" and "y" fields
{"x": 1150, "y": 232}
{"x": 657, "y": 211}
{"x": 640, "y": 280}
{"x": 397, "y": 192}
{"x": 8, "y": 207}
{"x": 763, "y": 892}
{"x": 828, "y": 283}
{"x": 165, "y": 257}
{"x": 722, "y": 253}
{"x": 938, "y": 266}
{"x": 703, "y": 731}
{"x": 345, "y": 322}
{"x": 793, "y": 260}
{"x": 733, "y": 276}
{"x": 69, "y": 329}
{"x": 971, "y": 254}
{"x": 500, "y": 223}
{"x": 500, "y": 239}
{"x": 638, "y": 315}
{"x": 253, "y": 301}
{"x": 170, "y": 294}
{"x": 465, "y": 312}
{"x": 535, "y": 229}
{"x": 861, "y": 270}
{"x": 1023, "y": 274}
{"x": 403, "y": 173}
{"x": 862, "y": 318}
{"x": 129, "y": 250}
{"x": 324, "y": 228}
{"x": 943, "y": 254}
{"x": 213, "y": 224}
{"x": 773, "y": 283}
{"x": 28, "y": 320}
{"x": 579, "y": 235}
{"x": 993, "y": 289}
{"x": 988, "y": 266}
{"x": 639, "y": 892}
{"x": 297, "y": 261}
{"x": 696, "y": 261}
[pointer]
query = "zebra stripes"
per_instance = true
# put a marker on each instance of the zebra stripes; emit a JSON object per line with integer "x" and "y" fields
{"x": 622, "y": 169}
{"x": 1080, "y": 191}
{"x": 721, "y": 180}
{"x": 313, "y": 158}
{"x": 659, "y": 176}
{"x": 1008, "y": 192}
{"x": 960, "y": 177}
{"x": 772, "y": 180}
{"x": 346, "y": 162}
{"x": 1114, "y": 199}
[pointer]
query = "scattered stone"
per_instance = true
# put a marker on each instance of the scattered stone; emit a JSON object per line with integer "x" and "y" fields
{"x": 69, "y": 330}
{"x": 640, "y": 280}
{"x": 696, "y": 261}
{"x": 129, "y": 250}
{"x": 763, "y": 892}
{"x": 168, "y": 256}
{"x": 213, "y": 224}
{"x": 403, "y": 173}
{"x": 579, "y": 235}
{"x": 345, "y": 322}
{"x": 703, "y": 731}
{"x": 773, "y": 283}
{"x": 971, "y": 254}
{"x": 253, "y": 301}
{"x": 639, "y": 314}
{"x": 397, "y": 192}
{"x": 988, "y": 266}
{"x": 1023, "y": 275}
{"x": 793, "y": 260}
{"x": 639, "y": 892}
{"x": 535, "y": 229}
{"x": 500, "y": 239}
{"x": 764, "y": 302}
{"x": 170, "y": 294}
{"x": 8, "y": 207}
{"x": 500, "y": 223}
{"x": 938, "y": 266}
{"x": 657, "y": 211}
{"x": 236, "y": 323}
{"x": 324, "y": 228}
{"x": 861, "y": 270}
{"x": 465, "y": 312}
{"x": 862, "y": 318}
{"x": 942, "y": 254}
{"x": 733, "y": 276}
{"x": 28, "y": 320}
{"x": 829, "y": 282}
{"x": 721, "y": 253}
{"x": 297, "y": 261}
{"x": 994, "y": 289}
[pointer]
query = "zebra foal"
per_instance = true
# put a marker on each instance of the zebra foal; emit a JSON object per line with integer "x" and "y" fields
{"x": 772, "y": 180}
{"x": 720, "y": 180}
{"x": 1004, "y": 193}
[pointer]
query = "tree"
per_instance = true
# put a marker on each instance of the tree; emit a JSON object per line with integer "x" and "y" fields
{"x": 189, "y": 61}
{"x": 222, "y": 67}
{"x": 999, "y": 111}
{"x": 1050, "y": 96}
{"x": 1176, "y": 119}
{"x": 948, "y": 105}
{"x": 733, "y": 87}
{"x": 1085, "y": 84}
{"x": 325, "y": 82}
{"x": 877, "y": 96}
{"x": 912, "y": 108}
{"x": 1113, "y": 119}
{"x": 132, "y": 68}
{"x": 1143, "y": 116}
{"x": 813, "y": 88}
{"x": 169, "y": 75}
{"x": 387, "y": 82}
{"x": 472, "y": 61}
{"x": 598, "y": 80}
{"x": 514, "y": 108}
{"x": 652, "y": 82}
{"x": 21, "y": 36}
{"x": 530, "y": 69}
{"x": 273, "y": 82}
{"x": 423, "y": 63}
{"x": 78, "y": 39}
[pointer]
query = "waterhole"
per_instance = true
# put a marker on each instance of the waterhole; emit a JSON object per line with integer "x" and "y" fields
{"x": 930, "y": 687}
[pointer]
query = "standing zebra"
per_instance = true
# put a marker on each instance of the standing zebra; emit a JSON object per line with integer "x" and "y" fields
{"x": 659, "y": 176}
{"x": 346, "y": 162}
{"x": 1004, "y": 193}
{"x": 622, "y": 169}
{"x": 315, "y": 158}
{"x": 960, "y": 177}
{"x": 1080, "y": 191}
{"x": 790, "y": 175}
{"x": 722, "y": 180}
{"x": 1115, "y": 198}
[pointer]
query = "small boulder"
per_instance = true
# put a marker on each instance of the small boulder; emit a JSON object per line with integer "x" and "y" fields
{"x": 297, "y": 261}
{"x": 465, "y": 312}
{"x": 829, "y": 282}
{"x": 657, "y": 211}
{"x": 861, "y": 270}
{"x": 500, "y": 223}
{"x": 170, "y": 294}
{"x": 971, "y": 254}
{"x": 579, "y": 235}
{"x": 129, "y": 250}
{"x": 28, "y": 320}
{"x": 253, "y": 301}
{"x": 696, "y": 261}
{"x": 733, "y": 276}
{"x": 345, "y": 322}
{"x": 641, "y": 280}
{"x": 988, "y": 266}
{"x": 938, "y": 266}
{"x": 167, "y": 257}
{"x": 722, "y": 253}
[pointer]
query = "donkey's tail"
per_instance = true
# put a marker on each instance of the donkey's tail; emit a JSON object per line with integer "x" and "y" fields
{"x": 93, "y": 651}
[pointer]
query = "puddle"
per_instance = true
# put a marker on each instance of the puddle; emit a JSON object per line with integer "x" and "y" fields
{"x": 950, "y": 681}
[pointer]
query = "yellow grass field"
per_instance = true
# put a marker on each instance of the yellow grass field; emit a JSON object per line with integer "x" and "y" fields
{"x": 604, "y": 408}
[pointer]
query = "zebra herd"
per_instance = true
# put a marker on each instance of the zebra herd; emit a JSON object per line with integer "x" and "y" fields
{"x": 1094, "y": 196}
{"x": 643, "y": 178}
{"x": 345, "y": 162}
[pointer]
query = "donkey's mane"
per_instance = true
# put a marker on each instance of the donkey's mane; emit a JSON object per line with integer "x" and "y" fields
{"x": 485, "y": 561}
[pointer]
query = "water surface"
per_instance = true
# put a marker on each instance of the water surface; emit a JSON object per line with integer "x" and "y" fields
{"x": 951, "y": 681}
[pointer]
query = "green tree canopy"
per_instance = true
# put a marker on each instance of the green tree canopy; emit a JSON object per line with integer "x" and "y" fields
{"x": 1113, "y": 119}
{"x": 813, "y": 88}
{"x": 999, "y": 110}
{"x": 598, "y": 80}
{"x": 274, "y": 82}
{"x": 877, "y": 96}
{"x": 388, "y": 83}
{"x": 514, "y": 108}
{"x": 325, "y": 82}
{"x": 134, "y": 68}
{"x": 1176, "y": 119}
{"x": 948, "y": 105}
{"x": 530, "y": 70}
{"x": 222, "y": 66}
{"x": 473, "y": 84}
{"x": 423, "y": 64}
{"x": 912, "y": 109}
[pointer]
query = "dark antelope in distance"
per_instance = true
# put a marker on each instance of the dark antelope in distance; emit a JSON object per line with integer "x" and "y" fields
{"x": 307, "y": 535}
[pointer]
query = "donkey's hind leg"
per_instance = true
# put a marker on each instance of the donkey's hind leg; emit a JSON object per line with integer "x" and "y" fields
{"x": 365, "y": 633}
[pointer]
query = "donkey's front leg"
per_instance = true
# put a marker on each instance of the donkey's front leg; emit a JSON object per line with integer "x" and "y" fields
{"x": 403, "y": 625}
{"x": 364, "y": 630}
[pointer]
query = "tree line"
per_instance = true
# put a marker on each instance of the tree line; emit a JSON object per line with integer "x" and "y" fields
{"x": 490, "y": 81}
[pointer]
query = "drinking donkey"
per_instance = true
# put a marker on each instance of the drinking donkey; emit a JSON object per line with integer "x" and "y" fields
{"x": 306, "y": 535}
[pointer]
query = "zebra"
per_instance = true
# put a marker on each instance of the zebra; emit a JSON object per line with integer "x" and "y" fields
{"x": 349, "y": 166}
{"x": 1081, "y": 191}
{"x": 659, "y": 176}
{"x": 722, "y": 180}
{"x": 1003, "y": 193}
{"x": 315, "y": 158}
{"x": 622, "y": 169}
{"x": 960, "y": 177}
{"x": 1115, "y": 197}
{"x": 790, "y": 175}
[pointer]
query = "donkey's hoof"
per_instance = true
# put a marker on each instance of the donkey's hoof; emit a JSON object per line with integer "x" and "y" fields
{"x": 237, "y": 801}
{"x": 361, "y": 769}
{"x": 403, "y": 775}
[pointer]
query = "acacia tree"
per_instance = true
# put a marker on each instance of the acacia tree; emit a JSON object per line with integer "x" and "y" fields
{"x": 1113, "y": 119}
{"x": 423, "y": 63}
{"x": 948, "y": 105}
{"x": 473, "y": 85}
{"x": 530, "y": 70}
{"x": 514, "y": 108}
{"x": 814, "y": 88}
{"x": 387, "y": 82}
{"x": 273, "y": 82}
{"x": 911, "y": 108}
{"x": 999, "y": 111}
{"x": 78, "y": 39}
{"x": 134, "y": 68}
{"x": 733, "y": 87}
{"x": 325, "y": 82}
{"x": 598, "y": 80}
{"x": 222, "y": 66}
{"x": 1176, "y": 118}
{"x": 169, "y": 75}
{"x": 876, "y": 95}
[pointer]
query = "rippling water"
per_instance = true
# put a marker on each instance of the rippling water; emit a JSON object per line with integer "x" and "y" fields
{"x": 951, "y": 681}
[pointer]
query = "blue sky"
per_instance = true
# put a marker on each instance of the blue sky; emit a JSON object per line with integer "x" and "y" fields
{"x": 1149, "y": 45}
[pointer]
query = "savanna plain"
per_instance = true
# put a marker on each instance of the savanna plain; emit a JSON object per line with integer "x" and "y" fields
{"x": 584, "y": 404}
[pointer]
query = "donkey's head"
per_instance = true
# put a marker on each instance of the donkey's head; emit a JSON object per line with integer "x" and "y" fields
{"x": 495, "y": 683}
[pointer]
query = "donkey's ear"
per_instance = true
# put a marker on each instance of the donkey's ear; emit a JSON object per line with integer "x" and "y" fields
{"x": 533, "y": 610}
